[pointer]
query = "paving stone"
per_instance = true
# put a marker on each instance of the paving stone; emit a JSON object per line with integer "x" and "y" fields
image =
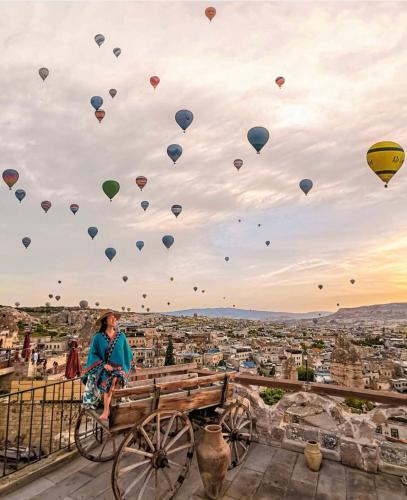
{"x": 286, "y": 457}
{"x": 64, "y": 488}
{"x": 31, "y": 490}
{"x": 302, "y": 473}
{"x": 298, "y": 489}
{"x": 390, "y": 488}
{"x": 266, "y": 492}
{"x": 93, "y": 488}
{"x": 107, "y": 495}
{"x": 331, "y": 482}
{"x": 359, "y": 485}
{"x": 95, "y": 469}
{"x": 244, "y": 485}
{"x": 277, "y": 476}
{"x": 259, "y": 457}
{"x": 67, "y": 469}
{"x": 200, "y": 492}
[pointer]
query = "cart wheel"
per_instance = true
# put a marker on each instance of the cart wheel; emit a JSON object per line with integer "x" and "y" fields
{"x": 154, "y": 457}
{"x": 237, "y": 428}
{"x": 93, "y": 441}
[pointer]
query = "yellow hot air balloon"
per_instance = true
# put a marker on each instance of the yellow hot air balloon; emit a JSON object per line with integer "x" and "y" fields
{"x": 385, "y": 159}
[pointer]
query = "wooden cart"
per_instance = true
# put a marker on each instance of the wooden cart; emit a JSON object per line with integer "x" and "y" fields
{"x": 151, "y": 431}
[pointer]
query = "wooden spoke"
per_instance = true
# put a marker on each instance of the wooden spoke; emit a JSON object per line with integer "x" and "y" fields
{"x": 167, "y": 477}
{"x": 140, "y": 495}
{"x": 168, "y": 430}
{"x": 242, "y": 445}
{"x": 138, "y": 452}
{"x": 137, "y": 480}
{"x": 236, "y": 452}
{"x": 175, "y": 450}
{"x": 133, "y": 466}
{"x": 145, "y": 435}
{"x": 174, "y": 463}
{"x": 175, "y": 438}
{"x": 244, "y": 424}
{"x": 158, "y": 431}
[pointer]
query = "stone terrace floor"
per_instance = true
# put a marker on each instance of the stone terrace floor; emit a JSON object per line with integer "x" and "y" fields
{"x": 268, "y": 473}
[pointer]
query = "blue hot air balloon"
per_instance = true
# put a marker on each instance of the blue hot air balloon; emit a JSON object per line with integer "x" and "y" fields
{"x": 92, "y": 231}
{"x": 184, "y": 118}
{"x": 110, "y": 253}
{"x": 140, "y": 245}
{"x": 20, "y": 195}
{"x": 176, "y": 210}
{"x": 258, "y": 137}
{"x": 96, "y": 101}
{"x": 174, "y": 151}
{"x": 144, "y": 205}
{"x": 168, "y": 241}
{"x": 306, "y": 185}
{"x": 26, "y": 241}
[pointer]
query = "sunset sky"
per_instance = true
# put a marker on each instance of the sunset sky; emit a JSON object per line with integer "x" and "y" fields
{"x": 345, "y": 66}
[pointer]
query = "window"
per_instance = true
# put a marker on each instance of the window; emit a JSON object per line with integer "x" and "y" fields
{"x": 394, "y": 433}
{"x": 379, "y": 429}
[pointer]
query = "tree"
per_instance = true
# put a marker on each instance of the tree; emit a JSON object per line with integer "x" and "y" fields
{"x": 302, "y": 374}
{"x": 169, "y": 354}
{"x": 272, "y": 396}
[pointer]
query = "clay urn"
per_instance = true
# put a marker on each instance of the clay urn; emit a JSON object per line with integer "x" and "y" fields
{"x": 213, "y": 454}
{"x": 313, "y": 455}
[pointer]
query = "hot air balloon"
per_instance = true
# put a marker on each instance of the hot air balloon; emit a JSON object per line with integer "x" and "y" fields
{"x": 17, "y": 304}
{"x": 148, "y": 309}
{"x": 125, "y": 278}
{"x": 144, "y": 295}
{"x": 258, "y": 137}
{"x": 96, "y": 101}
{"x": 315, "y": 321}
{"x": 20, "y": 194}
{"x": 97, "y": 304}
{"x": 258, "y": 225}
{"x": 168, "y": 241}
{"x": 267, "y": 243}
{"x": 210, "y": 13}
{"x": 110, "y": 253}
{"x": 141, "y": 181}
{"x": 117, "y": 51}
{"x": 140, "y": 245}
{"x": 50, "y": 295}
{"x": 337, "y": 305}
{"x": 112, "y": 93}
{"x": 92, "y": 231}
{"x": 111, "y": 188}
{"x": 47, "y": 304}
{"x": 174, "y": 151}
{"x": 46, "y": 205}
{"x": 43, "y": 72}
{"x": 280, "y": 80}
{"x": 168, "y": 303}
{"x": 123, "y": 308}
{"x": 176, "y": 210}
{"x": 10, "y": 177}
{"x": 195, "y": 288}
{"x": 306, "y": 185}
{"x": 99, "y": 39}
{"x": 100, "y": 114}
{"x": 352, "y": 281}
{"x": 171, "y": 279}
{"x": 59, "y": 281}
{"x": 385, "y": 159}
{"x": 83, "y": 304}
{"x": 227, "y": 259}
{"x": 234, "y": 305}
{"x": 144, "y": 205}
{"x": 128, "y": 309}
{"x": 26, "y": 241}
{"x": 238, "y": 164}
{"x": 154, "y": 80}
{"x": 74, "y": 208}
{"x": 320, "y": 287}
{"x": 203, "y": 291}
{"x": 142, "y": 306}
{"x": 57, "y": 297}
{"x": 240, "y": 220}
{"x": 184, "y": 118}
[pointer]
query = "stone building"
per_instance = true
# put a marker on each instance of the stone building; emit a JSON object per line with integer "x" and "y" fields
{"x": 346, "y": 366}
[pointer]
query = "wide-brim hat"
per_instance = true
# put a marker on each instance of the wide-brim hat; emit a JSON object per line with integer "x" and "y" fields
{"x": 104, "y": 315}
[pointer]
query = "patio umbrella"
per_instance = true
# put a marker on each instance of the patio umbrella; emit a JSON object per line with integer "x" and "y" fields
{"x": 73, "y": 365}
{"x": 26, "y": 347}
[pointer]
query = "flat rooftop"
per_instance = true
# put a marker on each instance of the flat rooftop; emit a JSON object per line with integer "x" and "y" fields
{"x": 268, "y": 473}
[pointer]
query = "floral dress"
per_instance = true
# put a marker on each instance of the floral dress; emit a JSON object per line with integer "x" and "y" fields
{"x": 103, "y": 351}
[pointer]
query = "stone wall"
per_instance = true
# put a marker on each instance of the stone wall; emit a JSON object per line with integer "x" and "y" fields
{"x": 343, "y": 436}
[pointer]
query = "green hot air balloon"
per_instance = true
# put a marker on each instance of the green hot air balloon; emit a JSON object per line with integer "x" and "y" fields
{"x": 111, "y": 188}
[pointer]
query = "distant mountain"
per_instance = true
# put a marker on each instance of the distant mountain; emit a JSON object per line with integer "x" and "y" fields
{"x": 232, "y": 313}
{"x": 380, "y": 312}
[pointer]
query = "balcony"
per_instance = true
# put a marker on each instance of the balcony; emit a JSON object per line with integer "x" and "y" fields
{"x": 269, "y": 473}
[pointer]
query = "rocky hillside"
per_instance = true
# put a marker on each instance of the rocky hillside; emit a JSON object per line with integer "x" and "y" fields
{"x": 395, "y": 312}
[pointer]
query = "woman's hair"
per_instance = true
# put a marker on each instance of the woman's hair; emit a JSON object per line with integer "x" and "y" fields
{"x": 103, "y": 325}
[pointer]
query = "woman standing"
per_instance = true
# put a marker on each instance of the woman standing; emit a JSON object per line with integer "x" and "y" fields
{"x": 109, "y": 362}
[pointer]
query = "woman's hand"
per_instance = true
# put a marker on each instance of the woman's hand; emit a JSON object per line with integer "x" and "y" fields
{"x": 109, "y": 368}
